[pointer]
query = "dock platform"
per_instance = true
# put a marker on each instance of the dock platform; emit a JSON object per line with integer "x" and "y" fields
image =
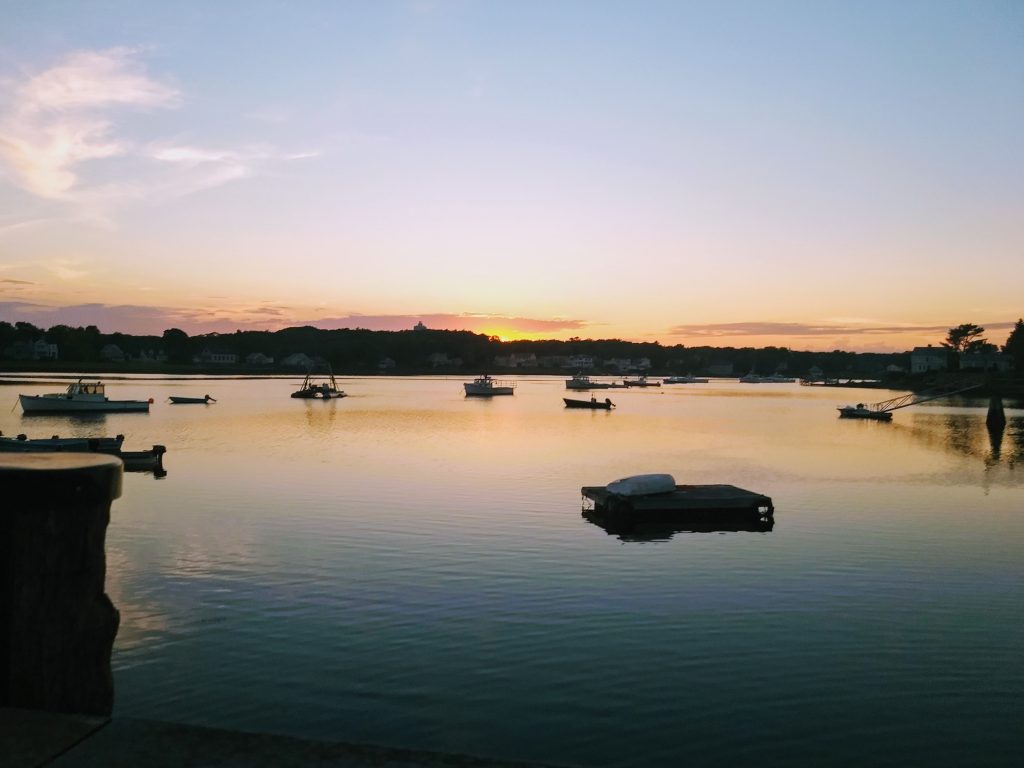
{"x": 698, "y": 504}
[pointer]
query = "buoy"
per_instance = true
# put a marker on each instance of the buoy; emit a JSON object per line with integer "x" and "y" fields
{"x": 151, "y": 401}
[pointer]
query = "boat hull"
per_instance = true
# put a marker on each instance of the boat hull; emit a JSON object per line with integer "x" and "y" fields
{"x": 190, "y": 400}
{"x": 862, "y": 413}
{"x": 599, "y": 405}
{"x": 33, "y": 404}
{"x": 583, "y": 385}
{"x": 473, "y": 390}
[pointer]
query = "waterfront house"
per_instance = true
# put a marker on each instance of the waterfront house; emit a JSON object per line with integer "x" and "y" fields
{"x": 298, "y": 360}
{"x": 111, "y": 353}
{"x": 41, "y": 350}
{"x": 928, "y": 359}
{"x": 986, "y": 361}
{"x": 218, "y": 357}
{"x": 580, "y": 363}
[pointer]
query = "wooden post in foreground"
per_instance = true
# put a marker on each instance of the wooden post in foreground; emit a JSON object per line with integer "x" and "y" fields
{"x": 57, "y": 625}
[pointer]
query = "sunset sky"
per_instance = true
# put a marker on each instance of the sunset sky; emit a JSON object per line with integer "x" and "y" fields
{"x": 806, "y": 174}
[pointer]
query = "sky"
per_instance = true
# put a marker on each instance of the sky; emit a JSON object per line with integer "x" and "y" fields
{"x": 814, "y": 175}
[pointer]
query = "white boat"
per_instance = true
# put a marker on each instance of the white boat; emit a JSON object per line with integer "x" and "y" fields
{"x": 582, "y": 381}
{"x": 81, "y": 397}
{"x": 861, "y": 411}
{"x": 683, "y": 380}
{"x": 485, "y": 386}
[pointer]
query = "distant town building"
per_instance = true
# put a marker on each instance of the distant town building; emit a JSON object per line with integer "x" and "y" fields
{"x": 928, "y": 359}
{"x": 580, "y": 362}
{"x": 386, "y": 364}
{"x": 41, "y": 350}
{"x": 554, "y": 361}
{"x": 258, "y": 358}
{"x": 438, "y": 359}
{"x": 986, "y": 361}
{"x": 620, "y": 364}
{"x": 297, "y": 360}
{"x": 218, "y": 357}
{"x": 419, "y": 326}
{"x": 111, "y": 353}
{"x": 516, "y": 360}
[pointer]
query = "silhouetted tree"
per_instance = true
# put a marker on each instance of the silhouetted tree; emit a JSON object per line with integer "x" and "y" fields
{"x": 965, "y": 338}
{"x": 176, "y": 345}
{"x": 1014, "y": 345}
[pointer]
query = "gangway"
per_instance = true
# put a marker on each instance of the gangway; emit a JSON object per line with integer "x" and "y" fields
{"x": 913, "y": 398}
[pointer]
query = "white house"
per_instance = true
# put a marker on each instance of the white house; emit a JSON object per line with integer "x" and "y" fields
{"x": 927, "y": 359}
{"x": 258, "y": 358}
{"x": 516, "y": 360}
{"x": 43, "y": 351}
{"x": 580, "y": 362}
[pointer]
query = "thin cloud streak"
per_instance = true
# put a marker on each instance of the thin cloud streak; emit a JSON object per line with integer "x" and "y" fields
{"x": 809, "y": 330}
{"x": 137, "y": 319}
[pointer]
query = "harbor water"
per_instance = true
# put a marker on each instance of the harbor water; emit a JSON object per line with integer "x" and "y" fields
{"x": 410, "y": 567}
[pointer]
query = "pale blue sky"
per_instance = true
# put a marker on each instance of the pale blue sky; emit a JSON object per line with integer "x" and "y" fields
{"x": 634, "y": 167}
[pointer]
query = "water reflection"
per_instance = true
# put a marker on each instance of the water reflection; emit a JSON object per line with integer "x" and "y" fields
{"x": 968, "y": 435}
{"x": 664, "y": 531}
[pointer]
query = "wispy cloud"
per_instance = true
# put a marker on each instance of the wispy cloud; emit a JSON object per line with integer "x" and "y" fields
{"x": 453, "y": 322}
{"x": 58, "y": 118}
{"x": 61, "y": 118}
{"x": 810, "y": 330}
{"x": 139, "y": 319}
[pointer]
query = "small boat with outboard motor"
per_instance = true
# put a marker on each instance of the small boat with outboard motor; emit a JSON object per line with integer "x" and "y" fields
{"x": 593, "y": 403}
{"x": 861, "y": 411}
{"x": 641, "y": 381}
{"x": 81, "y": 397}
{"x": 179, "y": 400}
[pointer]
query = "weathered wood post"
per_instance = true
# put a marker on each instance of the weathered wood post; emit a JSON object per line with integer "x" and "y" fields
{"x": 57, "y": 625}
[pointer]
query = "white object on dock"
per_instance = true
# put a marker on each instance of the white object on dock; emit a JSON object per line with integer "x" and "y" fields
{"x": 642, "y": 485}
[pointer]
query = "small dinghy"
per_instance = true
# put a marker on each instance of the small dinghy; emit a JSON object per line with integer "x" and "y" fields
{"x": 593, "y": 404}
{"x": 177, "y": 400}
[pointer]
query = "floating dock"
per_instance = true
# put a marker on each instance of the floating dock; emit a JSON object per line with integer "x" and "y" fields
{"x": 700, "y": 505}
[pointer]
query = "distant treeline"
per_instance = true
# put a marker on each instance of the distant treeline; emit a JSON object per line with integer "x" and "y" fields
{"x": 364, "y": 351}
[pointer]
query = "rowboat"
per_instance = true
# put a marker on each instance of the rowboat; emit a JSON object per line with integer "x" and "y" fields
{"x": 485, "y": 386}
{"x": 134, "y": 461}
{"x": 178, "y": 400}
{"x": 593, "y": 403}
{"x": 81, "y": 397}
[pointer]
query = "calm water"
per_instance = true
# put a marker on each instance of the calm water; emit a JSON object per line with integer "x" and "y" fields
{"x": 409, "y": 567}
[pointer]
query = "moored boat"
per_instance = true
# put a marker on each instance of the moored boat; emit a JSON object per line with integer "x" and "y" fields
{"x": 311, "y": 390}
{"x": 134, "y": 461}
{"x": 485, "y": 386}
{"x": 178, "y": 400}
{"x": 593, "y": 403}
{"x": 860, "y": 411}
{"x": 582, "y": 381}
{"x": 683, "y": 380}
{"x": 81, "y": 397}
{"x": 641, "y": 382}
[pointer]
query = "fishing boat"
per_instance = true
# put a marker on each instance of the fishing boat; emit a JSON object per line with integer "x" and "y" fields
{"x": 683, "y": 380}
{"x": 593, "y": 403}
{"x": 860, "y": 411}
{"x": 311, "y": 390}
{"x": 134, "y": 461}
{"x": 485, "y": 386}
{"x": 81, "y": 397}
{"x": 641, "y": 382}
{"x": 582, "y": 381}
{"x": 178, "y": 400}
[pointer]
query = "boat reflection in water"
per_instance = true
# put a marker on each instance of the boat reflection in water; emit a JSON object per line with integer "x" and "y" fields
{"x": 664, "y": 530}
